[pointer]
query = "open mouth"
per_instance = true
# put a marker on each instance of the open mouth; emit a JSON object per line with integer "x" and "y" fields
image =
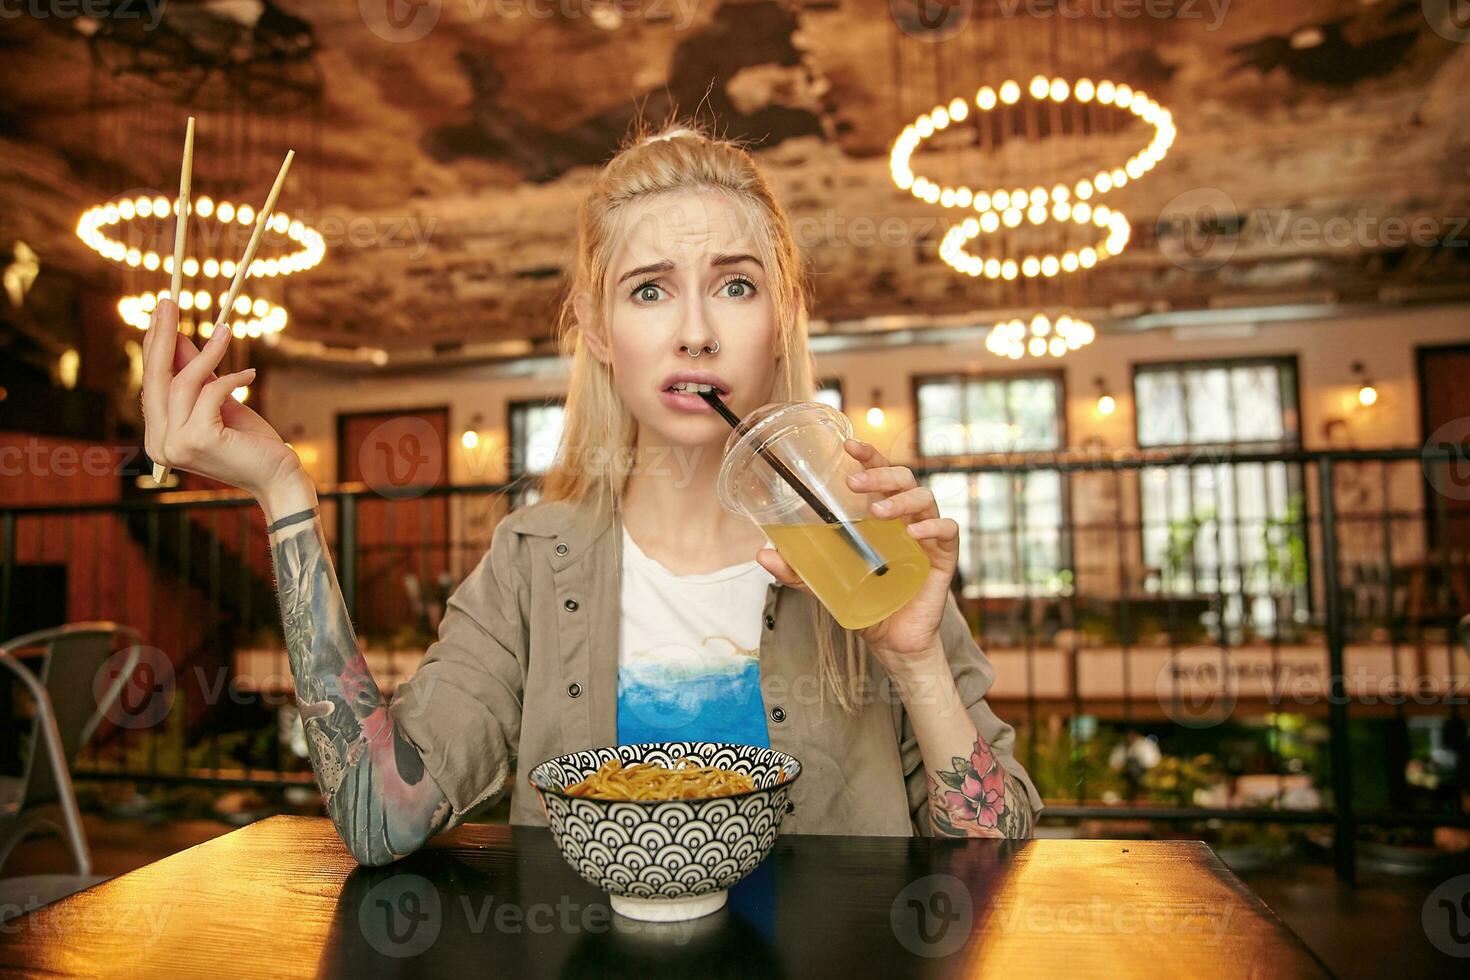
{"x": 694, "y": 388}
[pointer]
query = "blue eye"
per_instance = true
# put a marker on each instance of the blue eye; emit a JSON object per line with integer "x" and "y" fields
{"x": 746, "y": 287}
{"x": 647, "y": 292}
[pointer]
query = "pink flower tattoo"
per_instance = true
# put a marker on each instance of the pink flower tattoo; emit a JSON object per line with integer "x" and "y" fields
{"x": 972, "y": 800}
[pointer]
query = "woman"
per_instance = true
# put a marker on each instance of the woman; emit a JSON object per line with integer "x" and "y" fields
{"x": 626, "y": 606}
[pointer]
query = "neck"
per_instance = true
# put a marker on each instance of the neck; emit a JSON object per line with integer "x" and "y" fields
{"x": 671, "y": 508}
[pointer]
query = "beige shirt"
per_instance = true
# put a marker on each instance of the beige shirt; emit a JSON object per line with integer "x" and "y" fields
{"x": 525, "y": 669}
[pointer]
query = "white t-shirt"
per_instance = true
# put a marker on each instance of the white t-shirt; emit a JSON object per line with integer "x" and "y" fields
{"x": 688, "y": 655}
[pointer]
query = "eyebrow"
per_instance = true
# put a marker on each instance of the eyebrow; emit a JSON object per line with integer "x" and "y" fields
{"x": 719, "y": 261}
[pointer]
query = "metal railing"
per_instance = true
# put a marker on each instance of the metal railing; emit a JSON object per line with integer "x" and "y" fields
{"x": 1211, "y": 657}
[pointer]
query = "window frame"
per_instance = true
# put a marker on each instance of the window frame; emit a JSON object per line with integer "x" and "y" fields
{"x": 523, "y": 485}
{"x": 1066, "y": 558}
{"x": 1250, "y": 360}
{"x": 833, "y": 383}
{"x": 1296, "y": 478}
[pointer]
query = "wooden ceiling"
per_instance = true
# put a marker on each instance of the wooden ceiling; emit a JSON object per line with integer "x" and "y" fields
{"x": 450, "y": 145}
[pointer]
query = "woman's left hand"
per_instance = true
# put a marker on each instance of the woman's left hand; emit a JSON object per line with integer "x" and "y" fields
{"x": 912, "y": 631}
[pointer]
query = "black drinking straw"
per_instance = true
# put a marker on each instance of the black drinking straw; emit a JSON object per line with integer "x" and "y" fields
{"x": 858, "y": 542}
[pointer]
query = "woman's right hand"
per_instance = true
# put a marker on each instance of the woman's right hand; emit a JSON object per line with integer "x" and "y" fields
{"x": 191, "y": 422}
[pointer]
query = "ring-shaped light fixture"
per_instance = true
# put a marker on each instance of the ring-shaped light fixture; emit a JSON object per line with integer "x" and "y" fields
{"x": 1040, "y": 337}
{"x": 1031, "y": 266}
{"x": 250, "y": 317}
{"x": 91, "y": 229}
{"x": 1041, "y": 89}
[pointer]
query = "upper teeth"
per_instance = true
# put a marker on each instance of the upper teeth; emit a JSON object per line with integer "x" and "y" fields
{"x": 690, "y": 386}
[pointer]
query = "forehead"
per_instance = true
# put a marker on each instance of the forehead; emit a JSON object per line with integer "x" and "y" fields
{"x": 685, "y": 227}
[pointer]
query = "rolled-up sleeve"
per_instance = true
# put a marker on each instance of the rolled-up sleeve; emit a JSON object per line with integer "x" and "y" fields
{"x": 973, "y": 675}
{"x": 462, "y": 707}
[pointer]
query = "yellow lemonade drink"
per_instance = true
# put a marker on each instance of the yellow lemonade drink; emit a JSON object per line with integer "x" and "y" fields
{"x": 842, "y": 579}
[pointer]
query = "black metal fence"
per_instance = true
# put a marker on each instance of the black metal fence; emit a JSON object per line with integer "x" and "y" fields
{"x": 1200, "y": 640}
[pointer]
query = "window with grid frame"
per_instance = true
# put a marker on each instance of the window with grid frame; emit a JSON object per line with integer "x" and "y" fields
{"x": 1229, "y": 528}
{"x": 829, "y": 392}
{"x": 1013, "y": 527}
{"x": 535, "y": 433}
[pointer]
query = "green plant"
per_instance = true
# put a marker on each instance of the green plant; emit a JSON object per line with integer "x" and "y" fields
{"x": 1065, "y": 766}
{"x": 1179, "y": 555}
{"x": 1285, "y": 549}
{"x": 1175, "y": 779}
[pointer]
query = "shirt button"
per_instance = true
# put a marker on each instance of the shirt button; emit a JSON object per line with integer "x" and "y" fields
{"x": 570, "y": 605}
{"x": 778, "y": 714}
{"x": 562, "y": 550}
{"x": 574, "y": 690}
{"x": 770, "y": 622}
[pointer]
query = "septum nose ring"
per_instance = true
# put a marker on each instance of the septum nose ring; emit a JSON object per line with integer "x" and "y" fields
{"x": 707, "y": 350}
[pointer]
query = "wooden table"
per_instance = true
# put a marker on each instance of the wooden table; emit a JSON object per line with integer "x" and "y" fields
{"x": 282, "y": 897}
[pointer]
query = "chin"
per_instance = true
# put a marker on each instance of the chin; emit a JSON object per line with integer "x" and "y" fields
{"x": 677, "y": 429}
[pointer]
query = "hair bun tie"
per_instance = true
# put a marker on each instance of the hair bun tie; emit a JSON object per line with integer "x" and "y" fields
{"x": 668, "y": 135}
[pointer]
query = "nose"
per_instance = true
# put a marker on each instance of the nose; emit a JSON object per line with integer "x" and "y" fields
{"x": 696, "y": 333}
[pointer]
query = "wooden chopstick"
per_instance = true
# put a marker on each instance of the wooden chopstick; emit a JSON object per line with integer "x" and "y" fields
{"x": 181, "y": 234}
{"x": 262, "y": 219}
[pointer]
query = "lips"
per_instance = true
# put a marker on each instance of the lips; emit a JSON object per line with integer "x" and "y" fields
{"x": 687, "y": 379}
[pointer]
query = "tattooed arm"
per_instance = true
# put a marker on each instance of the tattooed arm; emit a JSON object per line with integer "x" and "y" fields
{"x": 382, "y": 800}
{"x": 970, "y": 794}
{"x": 374, "y": 782}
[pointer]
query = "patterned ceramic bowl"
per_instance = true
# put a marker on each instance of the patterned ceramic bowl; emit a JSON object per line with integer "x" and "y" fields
{"x": 667, "y": 860}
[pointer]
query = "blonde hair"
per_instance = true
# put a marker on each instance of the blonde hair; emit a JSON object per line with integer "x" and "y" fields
{"x": 599, "y": 432}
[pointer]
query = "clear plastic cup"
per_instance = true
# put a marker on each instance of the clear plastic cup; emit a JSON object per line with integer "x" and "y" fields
{"x": 862, "y": 568}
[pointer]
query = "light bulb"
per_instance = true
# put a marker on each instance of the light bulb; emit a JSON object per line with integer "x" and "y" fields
{"x": 875, "y": 416}
{"x": 469, "y": 439}
{"x": 1367, "y": 395}
{"x": 1106, "y": 405}
{"x": 240, "y": 394}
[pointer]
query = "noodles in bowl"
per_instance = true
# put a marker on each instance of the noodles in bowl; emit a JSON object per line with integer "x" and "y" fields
{"x": 687, "y": 780}
{"x": 665, "y": 828}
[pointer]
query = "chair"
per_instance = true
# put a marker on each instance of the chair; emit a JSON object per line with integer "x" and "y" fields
{"x": 66, "y": 716}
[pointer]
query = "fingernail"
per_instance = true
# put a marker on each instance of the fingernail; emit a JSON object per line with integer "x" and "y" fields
{"x": 249, "y": 374}
{"x": 883, "y": 506}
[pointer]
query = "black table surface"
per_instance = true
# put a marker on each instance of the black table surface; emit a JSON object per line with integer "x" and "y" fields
{"x": 283, "y": 898}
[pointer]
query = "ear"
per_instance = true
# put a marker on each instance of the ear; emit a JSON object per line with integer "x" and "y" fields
{"x": 591, "y": 332}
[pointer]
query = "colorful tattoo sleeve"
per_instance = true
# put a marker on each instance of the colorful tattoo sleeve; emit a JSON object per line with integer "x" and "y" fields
{"x": 377, "y": 791}
{"x": 978, "y": 798}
